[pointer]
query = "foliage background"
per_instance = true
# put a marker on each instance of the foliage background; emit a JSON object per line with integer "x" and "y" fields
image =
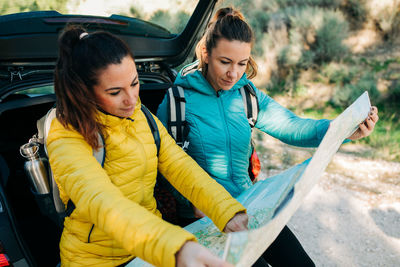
{"x": 314, "y": 56}
{"x": 15, "y": 6}
{"x": 317, "y": 56}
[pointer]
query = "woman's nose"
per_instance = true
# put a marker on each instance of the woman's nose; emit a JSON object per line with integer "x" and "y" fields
{"x": 130, "y": 97}
{"x": 231, "y": 73}
{"x": 127, "y": 101}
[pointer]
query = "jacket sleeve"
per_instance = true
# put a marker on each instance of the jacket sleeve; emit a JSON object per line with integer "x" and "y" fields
{"x": 194, "y": 183}
{"x": 162, "y": 111}
{"x": 284, "y": 125}
{"x": 98, "y": 201}
{"x": 162, "y": 115}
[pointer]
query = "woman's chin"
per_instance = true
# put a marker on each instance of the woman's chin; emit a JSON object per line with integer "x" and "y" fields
{"x": 125, "y": 113}
{"x": 226, "y": 86}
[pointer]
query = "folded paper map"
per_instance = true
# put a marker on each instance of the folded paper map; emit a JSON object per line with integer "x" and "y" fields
{"x": 271, "y": 202}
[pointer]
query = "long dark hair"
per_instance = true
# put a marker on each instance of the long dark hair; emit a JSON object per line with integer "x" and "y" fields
{"x": 82, "y": 56}
{"x": 230, "y": 24}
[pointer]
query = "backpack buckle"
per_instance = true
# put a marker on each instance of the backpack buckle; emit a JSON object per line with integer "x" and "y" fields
{"x": 185, "y": 145}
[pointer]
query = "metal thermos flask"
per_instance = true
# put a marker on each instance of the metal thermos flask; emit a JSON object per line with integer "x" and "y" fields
{"x": 35, "y": 167}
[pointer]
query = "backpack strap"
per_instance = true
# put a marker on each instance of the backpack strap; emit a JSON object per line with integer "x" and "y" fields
{"x": 190, "y": 68}
{"x": 43, "y": 126}
{"x": 100, "y": 154}
{"x": 176, "y": 115}
{"x": 153, "y": 127}
{"x": 250, "y": 101}
{"x": 251, "y": 108}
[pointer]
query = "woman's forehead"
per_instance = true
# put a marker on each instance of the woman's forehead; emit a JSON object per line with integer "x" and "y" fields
{"x": 232, "y": 49}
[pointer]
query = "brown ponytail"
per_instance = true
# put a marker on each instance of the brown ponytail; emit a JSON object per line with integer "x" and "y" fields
{"x": 81, "y": 56}
{"x": 230, "y": 24}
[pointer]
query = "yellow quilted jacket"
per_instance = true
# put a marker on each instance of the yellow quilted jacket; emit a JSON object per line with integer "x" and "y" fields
{"x": 115, "y": 218}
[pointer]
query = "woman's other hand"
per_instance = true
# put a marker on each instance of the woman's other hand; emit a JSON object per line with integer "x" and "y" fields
{"x": 194, "y": 254}
{"x": 237, "y": 223}
{"x": 198, "y": 213}
{"x": 367, "y": 126}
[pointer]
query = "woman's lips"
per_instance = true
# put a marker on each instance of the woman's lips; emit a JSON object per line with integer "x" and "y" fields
{"x": 128, "y": 109}
{"x": 227, "y": 82}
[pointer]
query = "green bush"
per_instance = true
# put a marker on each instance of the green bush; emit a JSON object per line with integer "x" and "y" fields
{"x": 259, "y": 23}
{"x": 355, "y": 11}
{"x": 331, "y": 4}
{"x": 305, "y": 20}
{"x": 329, "y": 38}
{"x": 174, "y": 22}
{"x": 395, "y": 90}
{"x": 386, "y": 18}
{"x": 386, "y": 136}
{"x": 135, "y": 12}
{"x": 318, "y": 30}
{"x": 378, "y": 65}
{"x": 345, "y": 95}
{"x": 315, "y": 36}
{"x": 395, "y": 29}
{"x": 15, "y": 6}
{"x": 340, "y": 74}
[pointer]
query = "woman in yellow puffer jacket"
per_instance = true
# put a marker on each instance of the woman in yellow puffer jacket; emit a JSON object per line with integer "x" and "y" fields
{"x": 116, "y": 218}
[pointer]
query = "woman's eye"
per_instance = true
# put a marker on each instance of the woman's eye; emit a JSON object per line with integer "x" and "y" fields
{"x": 224, "y": 62}
{"x": 134, "y": 84}
{"x": 114, "y": 93}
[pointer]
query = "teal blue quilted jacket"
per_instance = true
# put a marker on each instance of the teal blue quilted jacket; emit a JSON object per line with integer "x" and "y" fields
{"x": 219, "y": 133}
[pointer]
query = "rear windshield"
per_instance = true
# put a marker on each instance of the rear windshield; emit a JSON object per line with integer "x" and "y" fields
{"x": 171, "y": 15}
{"x": 37, "y": 91}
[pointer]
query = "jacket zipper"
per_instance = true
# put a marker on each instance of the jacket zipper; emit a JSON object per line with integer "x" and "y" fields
{"x": 90, "y": 233}
{"x": 143, "y": 152}
{"x": 228, "y": 138}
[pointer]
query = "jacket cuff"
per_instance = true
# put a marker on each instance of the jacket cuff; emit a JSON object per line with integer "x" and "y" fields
{"x": 174, "y": 245}
{"x": 222, "y": 221}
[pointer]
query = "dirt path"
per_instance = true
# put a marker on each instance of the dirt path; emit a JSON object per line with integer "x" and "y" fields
{"x": 338, "y": 228}
{"x": 352, "y": 216}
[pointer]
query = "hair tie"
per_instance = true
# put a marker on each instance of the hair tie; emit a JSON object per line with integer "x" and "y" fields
{"x": 83, "y": 34}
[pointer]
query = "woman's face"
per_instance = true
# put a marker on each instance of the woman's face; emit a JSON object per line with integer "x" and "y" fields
{"x": 117, "y": 90}
{"x": 226, "y": 63}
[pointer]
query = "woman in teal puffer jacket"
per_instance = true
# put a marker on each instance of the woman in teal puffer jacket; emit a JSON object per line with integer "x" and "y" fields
{"x": 219, "y": 133}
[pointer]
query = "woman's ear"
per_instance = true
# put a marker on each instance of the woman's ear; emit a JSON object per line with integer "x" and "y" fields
{"x": 204, "y": 55}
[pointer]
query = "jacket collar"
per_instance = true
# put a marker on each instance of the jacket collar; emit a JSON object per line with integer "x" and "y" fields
{"x": 112, "y": 120}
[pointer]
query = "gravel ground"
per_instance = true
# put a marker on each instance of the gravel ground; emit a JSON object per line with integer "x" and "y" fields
{"x": 352, "y": 216}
